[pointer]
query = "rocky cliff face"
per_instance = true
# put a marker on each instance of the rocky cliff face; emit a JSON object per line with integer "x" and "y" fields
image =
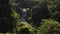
{"x": 26, "y": 3}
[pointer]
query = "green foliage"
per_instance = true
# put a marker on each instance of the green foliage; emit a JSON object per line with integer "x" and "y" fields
{"x": 16, "y": 16}
{"x": 49, "y": 26}
{"x": 24, "y": 25}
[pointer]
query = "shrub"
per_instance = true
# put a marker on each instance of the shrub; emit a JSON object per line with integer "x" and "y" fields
{"x": 49, "y": 26}
{"x": 25, "y": 28}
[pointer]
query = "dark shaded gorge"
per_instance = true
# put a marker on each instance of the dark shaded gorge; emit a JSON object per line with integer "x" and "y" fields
{"x": 6, "y": 20}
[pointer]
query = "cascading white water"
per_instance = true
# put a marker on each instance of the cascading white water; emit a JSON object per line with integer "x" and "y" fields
{"x": 24, "y": 14}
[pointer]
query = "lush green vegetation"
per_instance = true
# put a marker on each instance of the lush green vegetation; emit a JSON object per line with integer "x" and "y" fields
{"x": 42, "y": 18}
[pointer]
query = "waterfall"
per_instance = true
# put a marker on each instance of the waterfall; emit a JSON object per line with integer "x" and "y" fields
{"x": 24, "y": 14}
